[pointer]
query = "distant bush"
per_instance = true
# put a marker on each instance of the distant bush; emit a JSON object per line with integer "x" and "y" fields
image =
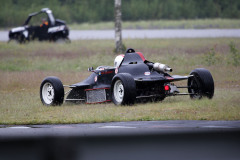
{"x": 235, "y": 55}
{"x": 210, "y": 58}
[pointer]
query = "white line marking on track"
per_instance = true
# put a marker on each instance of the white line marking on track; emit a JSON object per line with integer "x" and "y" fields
{"x": 20, "y": 127}
{"x": 217, "y": 127}
{"x": 121, "y": 127}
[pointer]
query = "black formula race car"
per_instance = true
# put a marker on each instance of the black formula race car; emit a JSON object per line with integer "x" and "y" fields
{"x": 40, "y": 26}
{"x": 133, "y": 79}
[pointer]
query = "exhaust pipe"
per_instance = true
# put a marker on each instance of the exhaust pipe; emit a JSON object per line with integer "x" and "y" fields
{"x": 161, "y": 67}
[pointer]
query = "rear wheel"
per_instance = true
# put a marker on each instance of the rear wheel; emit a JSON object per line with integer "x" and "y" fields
{"x": 63, "y": 40}
{"x": 201, "y": 84}
{"x": 123, "y": 89}
{"x": 51, "y": 91}
{"x": 60, "y": 38}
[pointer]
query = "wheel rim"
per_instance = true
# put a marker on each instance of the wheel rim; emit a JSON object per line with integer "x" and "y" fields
{"x": 118, "y": 91}
{"x": 48, "y": 93}
{"x": 195, "y": 89}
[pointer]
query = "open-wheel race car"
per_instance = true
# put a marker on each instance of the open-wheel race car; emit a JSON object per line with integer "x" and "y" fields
{"x": 132, "y": 79}
{"x": 40, "y": 26}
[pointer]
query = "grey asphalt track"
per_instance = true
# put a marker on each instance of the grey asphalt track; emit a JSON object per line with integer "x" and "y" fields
{"x": 155, "y": 34}
{"x": 116, "y": 128}
{"x": 147, "y": 34}
{"x": 141, "y": 140}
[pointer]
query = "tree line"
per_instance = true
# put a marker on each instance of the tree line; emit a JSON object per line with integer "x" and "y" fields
{"x": 14, "y": 12}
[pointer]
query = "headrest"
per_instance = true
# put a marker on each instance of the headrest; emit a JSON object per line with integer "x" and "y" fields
{"x": 130, "y": 50}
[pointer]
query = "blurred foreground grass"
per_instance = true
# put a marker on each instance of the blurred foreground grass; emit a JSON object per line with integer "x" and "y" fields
{"x": 23, "y": 67}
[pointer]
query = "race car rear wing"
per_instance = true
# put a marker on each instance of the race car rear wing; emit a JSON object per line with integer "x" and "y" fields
{"x": 177, "y": 77}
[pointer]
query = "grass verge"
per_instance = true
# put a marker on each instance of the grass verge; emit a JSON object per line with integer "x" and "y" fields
{"x": 162, "y": 24}
{"x": 23, "y": 67}
{"x": 26, "y": 108}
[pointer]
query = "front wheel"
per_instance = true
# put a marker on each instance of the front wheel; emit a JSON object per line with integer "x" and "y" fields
{"x": 51, "y": 91}
{"x": 17, "y": 38}
{"x": 123, "y": 89}
{"x": 201, "y": 84}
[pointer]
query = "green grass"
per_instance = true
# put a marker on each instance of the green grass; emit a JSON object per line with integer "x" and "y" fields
{"x": 159, "y": 24}
{"x": 26, "y": 108}
{"x": 162, "y": 24}
{"x": 23, "y": 67}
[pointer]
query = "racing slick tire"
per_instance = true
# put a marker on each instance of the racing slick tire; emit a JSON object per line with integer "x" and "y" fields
{"x": 201, "y": 84}
{"x": 51, "y": 91}
{"x": 123, "y": 89}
